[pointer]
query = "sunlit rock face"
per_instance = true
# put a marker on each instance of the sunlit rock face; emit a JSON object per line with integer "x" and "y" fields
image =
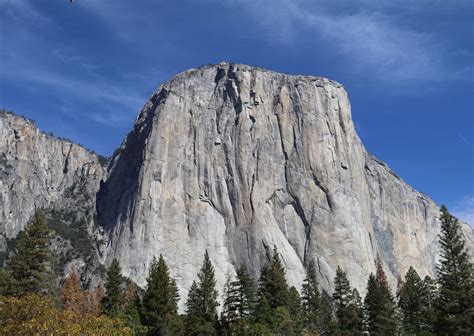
{"x": 38, "y": 170}
{"x": 236, "y": 159}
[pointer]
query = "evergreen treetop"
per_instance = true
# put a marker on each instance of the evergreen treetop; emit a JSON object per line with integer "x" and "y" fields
{"x": 30, "y": 268}
{"x": 111, "y": 303}
{"x": 410, "y": 301}
{"x": 273, "y": 282}
{"x": 455, "y": 305}
{"x": 238, "y": 302}
{"x": 160, "y": 302}
{"x": 379, "y": 305}
{"x": 201, "y": 306}
{"x": 347, "y": 304}
{"x": 246, "y": 293}
{"x": 311, "y": 299}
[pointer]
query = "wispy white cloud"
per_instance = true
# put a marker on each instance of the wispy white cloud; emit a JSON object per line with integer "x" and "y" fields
{"x": 373, "y": 40}
{"x": 23, "y": 12}
{"x": 72, "y": 76}
{"x": 464, "y": 210}
{"x": 372, "y": 36}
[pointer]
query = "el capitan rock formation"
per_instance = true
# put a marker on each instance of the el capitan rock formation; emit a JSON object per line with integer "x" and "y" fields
{"x": 235, "y": 159}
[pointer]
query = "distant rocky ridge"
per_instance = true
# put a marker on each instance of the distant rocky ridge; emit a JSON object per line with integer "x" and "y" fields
{"x": 233, "y": 159}
{"x": 38, "y": 170}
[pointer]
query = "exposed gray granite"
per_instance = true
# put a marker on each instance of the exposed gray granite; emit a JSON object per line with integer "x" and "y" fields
{"x": 234, "y": 159}
{"x": 40, "y": 170}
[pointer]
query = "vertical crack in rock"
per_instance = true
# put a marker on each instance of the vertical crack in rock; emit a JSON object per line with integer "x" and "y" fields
{"x": 307, "y": 226}
{"x": 66, "y": 161}
{"x": 326, "y": 192}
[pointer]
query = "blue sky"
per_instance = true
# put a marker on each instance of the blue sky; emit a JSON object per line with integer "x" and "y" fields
{"x": 84, "y": 70}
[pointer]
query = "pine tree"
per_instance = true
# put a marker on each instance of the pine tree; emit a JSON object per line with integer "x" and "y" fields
{"x": 264, "y": 314}
{"x": 131, "y": 306}
{"x": 311, "y": 300}
{"x": 356, "y": 313}
{"x": 428, "y": 305}
{"x": 72, "y": 294}
{"x": 246, "y": 293}
{"x": 347, "y": 305}
{"x": 410, "y": 301}
{"x": 111, "y": 303}
{"x": 129, "y": 295}
{"x": 273, "y": 294}
{"x": 230, "y": 313}
{"x": 202, "y": 302}
{"x": 295, "y": 309}
{"x": 379, "y": 305}
{"x": 208, "y": 291}
{"x": 455, "y": 304}
{"x": 372, "y": 306}
{"x": 416, "y": 300}
{"x": 238, "y": 303}
{"x": 341, "y": 297}
{"x": 325, "y": 316}
{"x": 30, "y": 269}
{"x": 195, "y": 323}
{"x": 273, "y": 282}
{"x": 279, "y": 308}
{"x": 160, "y": 301}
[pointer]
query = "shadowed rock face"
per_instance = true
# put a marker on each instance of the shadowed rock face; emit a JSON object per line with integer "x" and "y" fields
{"x": 40, "y": 171}
{"x": 235, "y": 159}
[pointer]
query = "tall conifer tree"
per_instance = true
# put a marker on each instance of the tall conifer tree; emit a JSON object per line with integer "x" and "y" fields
{"x": 428, "y": 305}
{"x": 379, "y": 304}
{"x": 30, "y": 268}
{"x": 325, "y": 317}
{"x": 201, "y": 307}
{"x": 160, "y": 302}
{"x": 273, "y": 282}
{"x": 239, "y": 302}
{"x": 230, "y": 314}
{"x": 111, "y": 303}
{"x": 295, "y": 309}
{"x": 246, "y": 293}
{"x": 455, "y": 305}
{"x": 347, "y": 304}
{"x": 311, "y": 300}
{"x": 410, "y": 301}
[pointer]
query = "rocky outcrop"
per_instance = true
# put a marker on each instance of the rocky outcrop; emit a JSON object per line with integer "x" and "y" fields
{"x": 229, "y": 158}
{"x": 235, "y": 159}
{"x": 38, "y": 170}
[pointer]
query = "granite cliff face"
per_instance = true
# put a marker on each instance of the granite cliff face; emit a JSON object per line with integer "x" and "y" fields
{"x": 235, "y": 159}
{"x": 38, "y": 170}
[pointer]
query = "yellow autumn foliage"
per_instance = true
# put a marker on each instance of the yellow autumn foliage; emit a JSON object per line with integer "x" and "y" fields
{"x": 34, "y": 314}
